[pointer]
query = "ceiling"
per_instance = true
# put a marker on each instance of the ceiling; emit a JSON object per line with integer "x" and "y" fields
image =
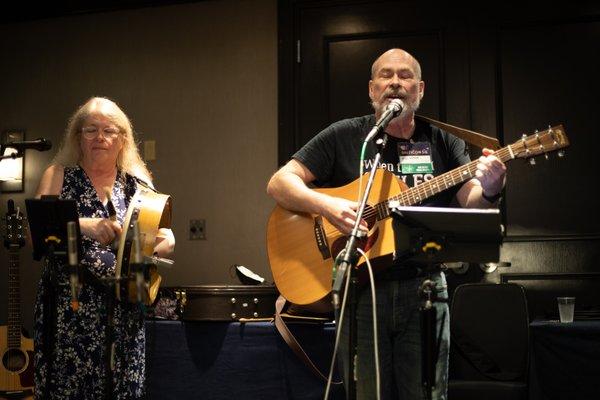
{"x": 28, "y": 10}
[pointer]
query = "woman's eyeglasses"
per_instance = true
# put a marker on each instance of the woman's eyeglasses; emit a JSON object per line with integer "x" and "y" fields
{"x": 91, "y": 132}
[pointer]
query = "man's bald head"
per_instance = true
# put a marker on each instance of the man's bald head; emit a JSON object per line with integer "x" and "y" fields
{"x": 397, "y": 54}
{"x": 396, "y": 75}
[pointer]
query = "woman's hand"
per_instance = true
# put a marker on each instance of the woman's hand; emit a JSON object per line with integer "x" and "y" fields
{"x": 100, "y": 229}
{"x": 164, "y": 244}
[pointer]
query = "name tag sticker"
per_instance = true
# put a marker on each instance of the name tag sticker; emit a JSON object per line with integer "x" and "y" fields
{"x": 415, "y": 158}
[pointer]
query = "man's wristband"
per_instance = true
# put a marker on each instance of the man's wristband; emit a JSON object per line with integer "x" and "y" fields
{"x": 491, "y": 199}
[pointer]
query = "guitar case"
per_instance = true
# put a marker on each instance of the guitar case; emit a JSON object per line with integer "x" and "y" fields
{"x": 233, "y": 303}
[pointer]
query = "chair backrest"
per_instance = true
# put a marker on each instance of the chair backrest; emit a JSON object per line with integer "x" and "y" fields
{"x": 489, "y": 325}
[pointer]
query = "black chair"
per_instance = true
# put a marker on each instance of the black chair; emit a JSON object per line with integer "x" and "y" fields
{"x": 489, "y": 346}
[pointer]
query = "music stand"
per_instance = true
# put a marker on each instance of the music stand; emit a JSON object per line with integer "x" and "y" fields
{"x": 48, "y": 218}
{"x": 465, "y": 234}
{"x": 433, "y": 235}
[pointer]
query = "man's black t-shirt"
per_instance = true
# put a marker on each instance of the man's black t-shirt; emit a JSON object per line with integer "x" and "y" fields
{"x": 333, "y": 155}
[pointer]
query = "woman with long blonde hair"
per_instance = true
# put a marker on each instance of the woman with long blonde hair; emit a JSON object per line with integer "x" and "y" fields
{"x": 98, "y": 163}
{"x": 128, "y": 159}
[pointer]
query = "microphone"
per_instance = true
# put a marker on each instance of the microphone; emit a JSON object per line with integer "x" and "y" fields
{"x": 73, "y": 264}
{"x": 161, "y": 262}
{"x": 391, "y": 111}
{"x": 40, "y": 144}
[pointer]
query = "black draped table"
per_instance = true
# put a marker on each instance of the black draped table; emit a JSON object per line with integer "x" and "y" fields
{"x": 234, "y": 361}
{"x": 565, "y": 360}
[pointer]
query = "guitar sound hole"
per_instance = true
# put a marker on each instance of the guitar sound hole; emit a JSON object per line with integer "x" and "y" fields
{"x": 14, "y": 360}
{"x": 364, "y": 243}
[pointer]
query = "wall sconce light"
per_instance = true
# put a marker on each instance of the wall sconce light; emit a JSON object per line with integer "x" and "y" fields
{"x": 11, "y": 169}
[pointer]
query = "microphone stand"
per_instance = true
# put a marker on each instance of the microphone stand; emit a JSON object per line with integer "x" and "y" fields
{"x": 50, "y": 312}
{"x": 110, "y": 299}
{"x": 73, "y": 261}
{"x": 430, "y": 346}
{"x": 349, "y": 259}
{"x": 140, "y": 275}
{"x": 109, "y": 343}
{"x": 430, "y": 336}
{"x": 430, "y": 243}
{"x": 392, "y": 110}
{"x": 108, "y": 283}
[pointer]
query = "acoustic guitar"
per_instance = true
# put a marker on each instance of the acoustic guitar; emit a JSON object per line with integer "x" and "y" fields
{"x": 151, "y": 211}
{"x": 302, "y": 247}
{"x": 16, "y": 368}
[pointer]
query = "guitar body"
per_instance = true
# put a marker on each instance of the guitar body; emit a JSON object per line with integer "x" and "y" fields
{"x": 302, "y": 269}
{"x": 16, "y": 368}
{"x": 152, "y": 211}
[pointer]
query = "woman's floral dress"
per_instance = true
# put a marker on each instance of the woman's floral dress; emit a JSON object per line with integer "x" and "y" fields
{"x": 70, "y": 354}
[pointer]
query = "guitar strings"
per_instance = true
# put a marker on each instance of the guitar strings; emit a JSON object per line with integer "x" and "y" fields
{"x": 421, "y": 191}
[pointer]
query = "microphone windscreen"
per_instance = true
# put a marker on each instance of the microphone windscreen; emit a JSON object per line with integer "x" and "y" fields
{"x": 72, "y": 243}
{"x": 46, "y": 145}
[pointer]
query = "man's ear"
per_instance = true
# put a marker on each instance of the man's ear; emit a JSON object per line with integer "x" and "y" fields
{"x": 371, "y": 89}
{"x": 421, "y": 89}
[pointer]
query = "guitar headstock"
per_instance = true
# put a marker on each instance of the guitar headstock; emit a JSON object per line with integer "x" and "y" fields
{"x": 552, "y": 139}
{"x": 15, "y": 232}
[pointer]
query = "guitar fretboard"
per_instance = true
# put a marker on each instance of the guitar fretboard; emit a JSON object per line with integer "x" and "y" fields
{"x": 14, "y": 299}
{"x": 436, "y": 185}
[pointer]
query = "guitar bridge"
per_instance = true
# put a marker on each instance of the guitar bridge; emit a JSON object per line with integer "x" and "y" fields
{"x": 321, "y": 238}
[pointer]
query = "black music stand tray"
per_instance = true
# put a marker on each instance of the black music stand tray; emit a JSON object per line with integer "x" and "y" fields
{"x": 48, "y": 218}
{"x": 430, "y": 236}
{"x": 464, "y": 234}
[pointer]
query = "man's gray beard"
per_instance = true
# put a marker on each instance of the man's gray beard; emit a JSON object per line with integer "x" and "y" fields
{"x": 408, "y": 108}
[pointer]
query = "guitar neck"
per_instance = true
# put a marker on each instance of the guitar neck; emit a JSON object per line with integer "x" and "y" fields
{"x": 438, "y": 184}
{"x": 552, "y": 139}
{"x": 14, "y": 299}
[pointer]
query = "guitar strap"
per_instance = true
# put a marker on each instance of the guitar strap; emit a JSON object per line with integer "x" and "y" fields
{"x": 474, "y": 138}
{"x": 292, "y": 342}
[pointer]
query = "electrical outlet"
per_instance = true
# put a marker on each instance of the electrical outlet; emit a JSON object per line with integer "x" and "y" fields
{"x": 197, "y": 229}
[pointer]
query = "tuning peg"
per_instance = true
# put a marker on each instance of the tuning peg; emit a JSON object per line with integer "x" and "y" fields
{"x": 546, "y": 156}
{"x": 532, "y": 161}
{"x": 561, "y": 153}
{"x": 523, "y": 136}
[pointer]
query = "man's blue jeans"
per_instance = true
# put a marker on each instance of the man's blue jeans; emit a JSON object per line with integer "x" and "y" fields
{"x": 398, "y": 321}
